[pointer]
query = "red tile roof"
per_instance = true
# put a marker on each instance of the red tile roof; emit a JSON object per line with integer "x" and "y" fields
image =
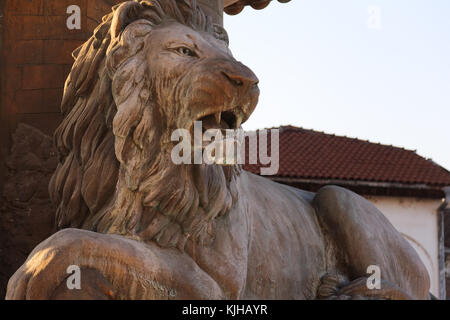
{"x": 239, "y": 5}
{"x": 308, "y": 154}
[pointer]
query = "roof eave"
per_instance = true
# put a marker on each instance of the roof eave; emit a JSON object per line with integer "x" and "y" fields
{"x": 371, "y": 187}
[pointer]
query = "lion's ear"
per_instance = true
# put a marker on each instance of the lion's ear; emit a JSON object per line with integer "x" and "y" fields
{"x": 124, "y": 14}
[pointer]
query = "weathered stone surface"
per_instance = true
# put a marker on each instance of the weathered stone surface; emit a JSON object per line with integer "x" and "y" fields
{"x": 26, "y": 212}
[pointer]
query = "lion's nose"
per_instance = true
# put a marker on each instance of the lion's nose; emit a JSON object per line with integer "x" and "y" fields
{"x": 245, "y": 79}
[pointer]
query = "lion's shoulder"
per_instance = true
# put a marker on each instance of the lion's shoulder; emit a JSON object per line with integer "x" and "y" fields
{"x": 261, "y": 186}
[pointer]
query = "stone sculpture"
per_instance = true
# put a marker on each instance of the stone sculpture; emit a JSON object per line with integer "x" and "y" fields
{"x": 140, "y": 227}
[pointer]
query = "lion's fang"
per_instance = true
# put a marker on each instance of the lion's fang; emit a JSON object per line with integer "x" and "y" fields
{"x": 239, "y": 119}
{"x": 218, "y": 117}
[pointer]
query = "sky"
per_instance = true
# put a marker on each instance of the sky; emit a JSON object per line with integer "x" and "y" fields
{"x": 376, "y": 70}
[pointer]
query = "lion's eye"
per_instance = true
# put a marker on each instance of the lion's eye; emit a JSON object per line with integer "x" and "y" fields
{"x": 186, "y": 52}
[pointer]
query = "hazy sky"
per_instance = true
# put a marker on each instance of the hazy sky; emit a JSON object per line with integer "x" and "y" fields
{"x": 339, "y": 67}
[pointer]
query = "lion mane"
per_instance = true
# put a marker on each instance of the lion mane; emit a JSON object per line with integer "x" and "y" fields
{"x": 114, "y": 173}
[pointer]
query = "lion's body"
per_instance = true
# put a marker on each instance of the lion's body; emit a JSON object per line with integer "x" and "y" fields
{"x": 284, "y": 244}
{"x": 278, "y": 244}
{"x": 270, "y": 246}
{"x": 157, "y": 230}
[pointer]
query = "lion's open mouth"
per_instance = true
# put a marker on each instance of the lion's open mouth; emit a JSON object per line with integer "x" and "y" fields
{"x": 225, "y": 120}
{"x": 224, "y": 127}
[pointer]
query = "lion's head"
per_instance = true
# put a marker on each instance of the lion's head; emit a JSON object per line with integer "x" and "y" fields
{"x": 151, "y": 67}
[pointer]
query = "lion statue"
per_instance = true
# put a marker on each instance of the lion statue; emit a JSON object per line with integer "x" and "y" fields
{"x": 139, "y": 226}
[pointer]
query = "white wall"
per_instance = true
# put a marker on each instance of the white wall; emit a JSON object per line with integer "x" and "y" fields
{"x": 417, "y": 220}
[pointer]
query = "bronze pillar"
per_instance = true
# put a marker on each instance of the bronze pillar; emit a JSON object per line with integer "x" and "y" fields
{"x": 214, "y": 9}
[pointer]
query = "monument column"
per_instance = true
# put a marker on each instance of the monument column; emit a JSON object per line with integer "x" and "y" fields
{"x": 213, "y": 9}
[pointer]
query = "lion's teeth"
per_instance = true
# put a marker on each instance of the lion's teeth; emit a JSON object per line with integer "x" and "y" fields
{"x": 218, "y": 116}
{"x": 239, "y": 119}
